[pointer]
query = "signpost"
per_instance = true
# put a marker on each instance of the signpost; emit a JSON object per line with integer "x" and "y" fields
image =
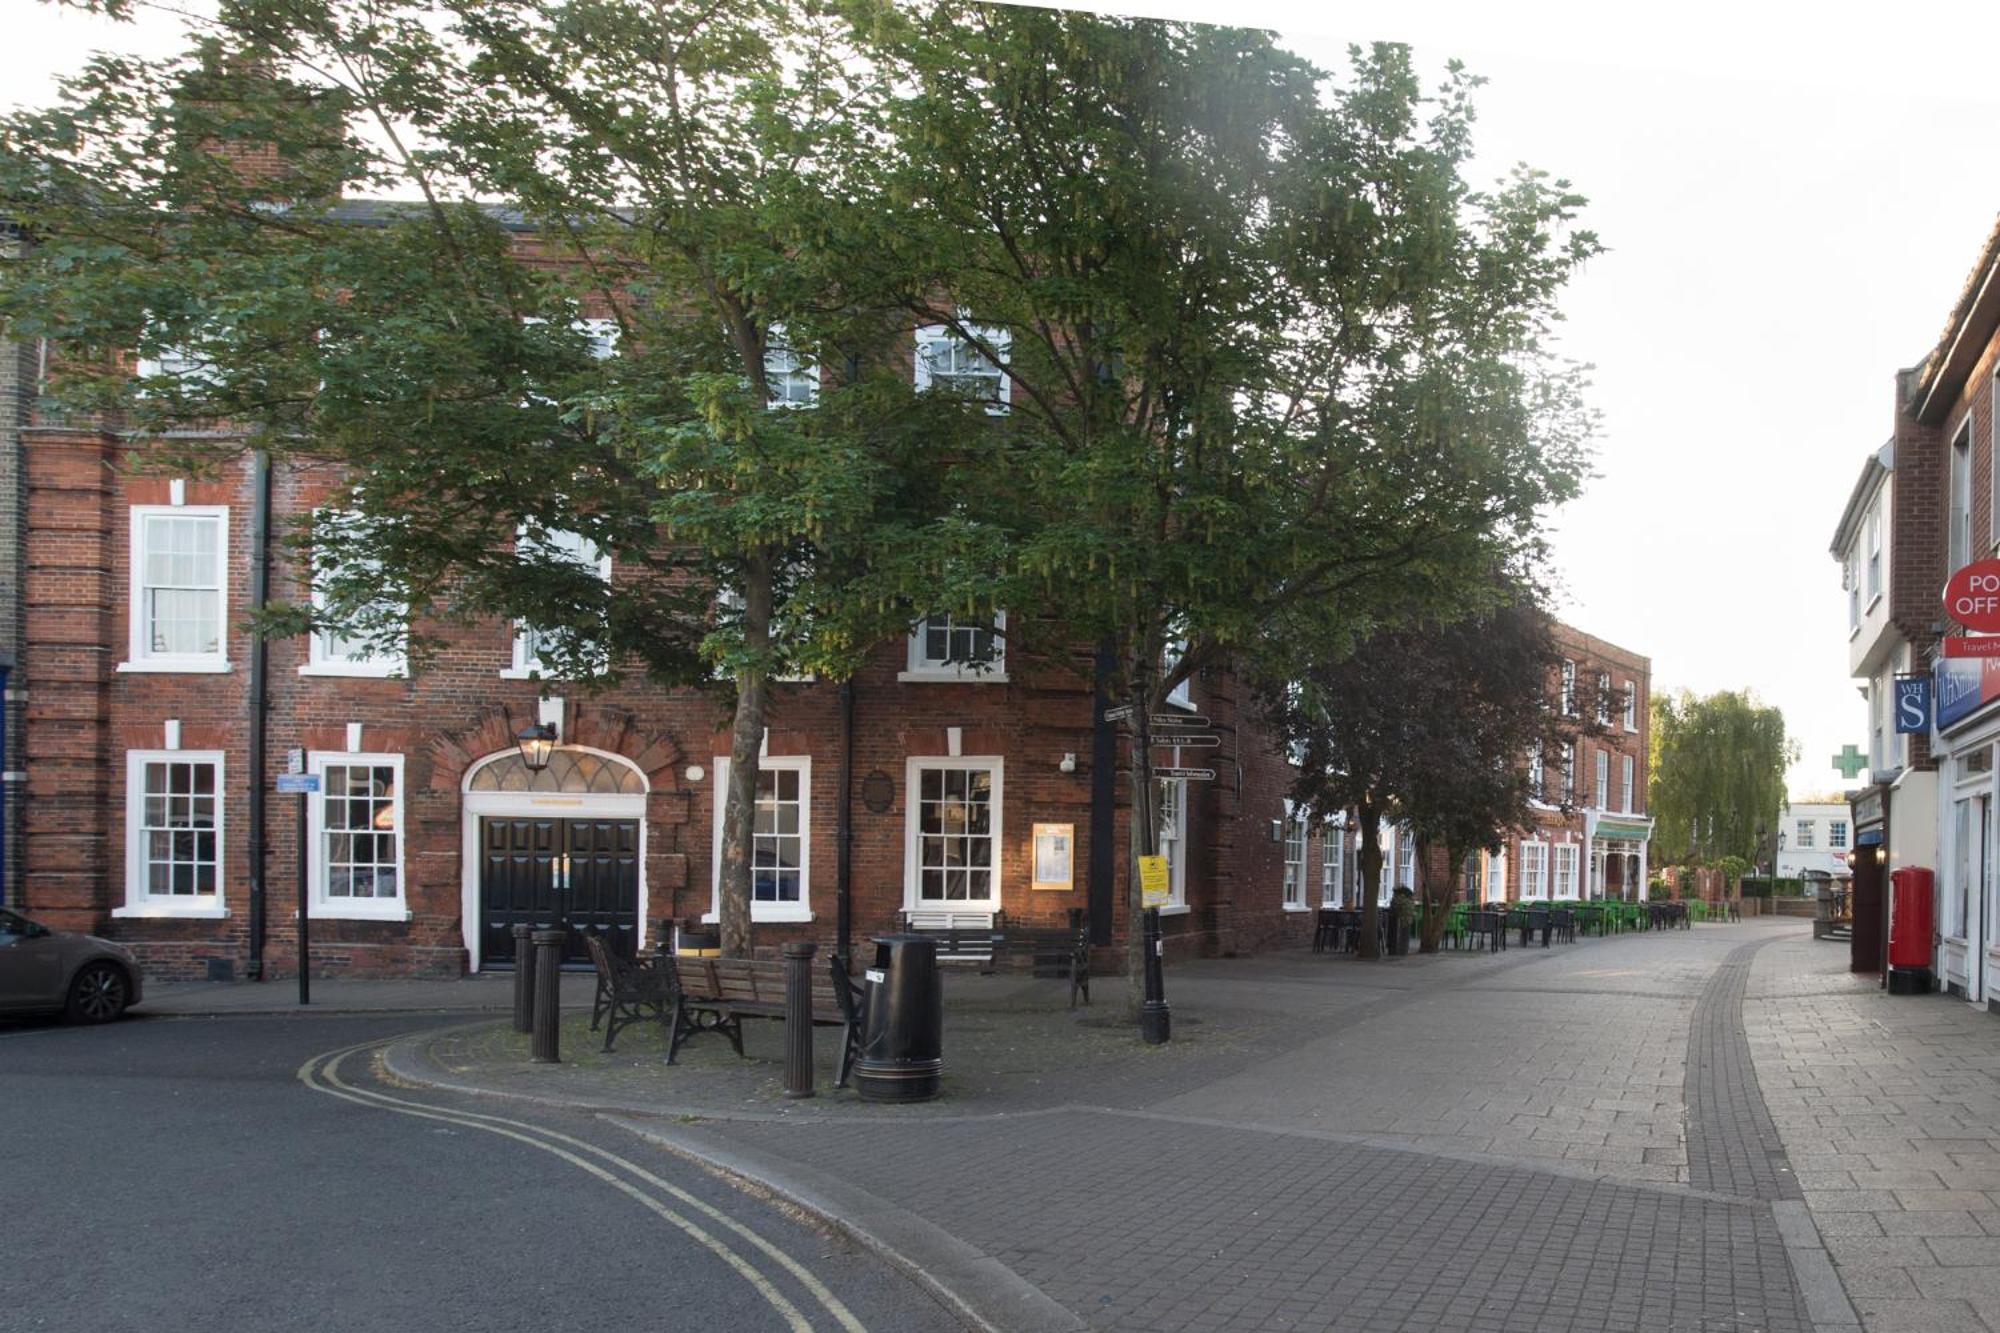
{"x": 1972, "y": 595}
{"x": 304, "y": 784}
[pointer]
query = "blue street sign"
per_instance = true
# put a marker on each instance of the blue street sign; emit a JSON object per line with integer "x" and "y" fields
{"x": 1913, "y": 705}
{"x": 298, "y": 782}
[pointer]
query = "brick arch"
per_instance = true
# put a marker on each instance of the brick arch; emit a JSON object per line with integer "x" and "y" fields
{"x": 612, "y": 730}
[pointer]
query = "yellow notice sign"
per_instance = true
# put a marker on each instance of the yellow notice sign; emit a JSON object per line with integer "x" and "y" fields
{"x": 1153, "y": 881}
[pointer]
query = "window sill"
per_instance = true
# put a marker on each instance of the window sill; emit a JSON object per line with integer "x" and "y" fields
{"x": 946, "y": 675}
{"x": 1873, "y": 602}
{"x": 397, "y": 671}
{"x": 327, "y": 911}
{"x": 1175, "y": 909}
{"x": 195, "y": 666}
{"x": 791, "y": 916}
{"x": 1297, "y": 907}
{"x": 166, "y": 911}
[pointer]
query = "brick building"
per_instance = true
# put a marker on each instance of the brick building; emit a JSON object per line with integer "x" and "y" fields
{"x": 1595, "y": 848}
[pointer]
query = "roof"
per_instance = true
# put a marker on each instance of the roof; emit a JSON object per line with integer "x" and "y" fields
{"x": 1873, "y": 473}
{"x": 1592, "y": 646}
{"x": 1967, "y": 332}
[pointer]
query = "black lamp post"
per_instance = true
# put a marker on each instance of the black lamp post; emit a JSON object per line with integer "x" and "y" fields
{"x": 537, "y": 744}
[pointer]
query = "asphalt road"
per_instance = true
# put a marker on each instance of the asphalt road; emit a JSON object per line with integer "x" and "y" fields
{"x": 221, "y": 1174}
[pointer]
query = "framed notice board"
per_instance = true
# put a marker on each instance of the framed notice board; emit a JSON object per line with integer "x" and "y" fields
{"x": 1055, "y": 857}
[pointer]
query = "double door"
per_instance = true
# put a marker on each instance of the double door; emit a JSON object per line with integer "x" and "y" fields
{"x": 580, "y": 874}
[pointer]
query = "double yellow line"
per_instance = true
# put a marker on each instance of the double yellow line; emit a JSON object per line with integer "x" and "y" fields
{"x": 322, "y": 1075}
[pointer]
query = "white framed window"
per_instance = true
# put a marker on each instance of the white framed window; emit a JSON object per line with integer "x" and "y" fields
{"x": 1958, "y": 536}
{"x": 1295, "y": 859}
{"x": 177, "y": 361}
{"x": 529, "y": 639}
{"x": 1569, "y": 772}
{"x": 1496, "y": 876}
{"x": 952, "y": 838}
{"x": 1565, "y": 884}
{"x": 1385, "y": 885}
{"x": 1537, "y": 787}
{"x": 173, "y": 833}
{"x": 1332, "y": 865}
{"x": 789, "y": 378}
{"x": 951, "y": 364}
{"x": 1631, "y": 706}
{"x": 946, "y": 647}
{"x": 355, "y": 826}
{"x": 1173, "y": 840}
{"x": 1182, "y": 694}
{"x": 601, "y": 334}
{"x": 1626, "y": 764}
{"x": 1836, "y": 834}
{"x": 1534, "y": 871}
{"x": 180, "y": 589}
{"x": 1568, "y": 688}
{"x": 1874, "y": 551}
{"x": 781, "y": 840}
{"x": 1603, "y": 791}
{"x": 1803, "y": 834}
{"x": 1406, "y": 859}
{"x": 1850, "y": 579}
{"x": 331, "y": 653}
{"x": 1604, "y": 698}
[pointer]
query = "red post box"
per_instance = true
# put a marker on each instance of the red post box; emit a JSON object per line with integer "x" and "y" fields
{"x": 1912, "y": 897}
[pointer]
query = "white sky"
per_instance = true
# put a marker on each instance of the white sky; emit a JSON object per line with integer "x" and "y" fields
{"x": 1791, "y": 195}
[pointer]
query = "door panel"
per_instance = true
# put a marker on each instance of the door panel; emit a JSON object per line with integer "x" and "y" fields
{"x": 579, "y": 874}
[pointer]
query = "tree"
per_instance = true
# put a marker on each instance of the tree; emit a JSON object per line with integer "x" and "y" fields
{"x": 1437, "y": 722}
{"x": 1275, "y": 369}
{"x": 1718, "y": 775}
{"x": 694, "y": 178}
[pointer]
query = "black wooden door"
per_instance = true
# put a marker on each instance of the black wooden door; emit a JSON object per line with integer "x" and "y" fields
{"x": 576, "y": 873}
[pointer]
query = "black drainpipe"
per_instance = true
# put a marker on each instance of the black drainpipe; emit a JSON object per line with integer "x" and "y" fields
{"x": 1103, "y": 801}
{"x": 260, "y": 701}
{"x": 843, "y": 886}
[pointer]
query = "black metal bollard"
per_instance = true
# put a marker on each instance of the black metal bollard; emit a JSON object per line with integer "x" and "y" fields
{"x": 1155, "y": 1019}
{"x": 546, "y": 1048}
{"x": 799, "y": 1018}
{"x": 524, "y": 978}
{"x": 1548, "y": 924}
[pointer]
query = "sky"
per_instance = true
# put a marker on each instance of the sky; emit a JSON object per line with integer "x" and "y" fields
{"x": 1791, "y": 198}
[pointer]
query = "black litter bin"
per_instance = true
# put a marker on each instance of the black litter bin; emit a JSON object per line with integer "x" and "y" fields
{"x": 902, "y": 1040}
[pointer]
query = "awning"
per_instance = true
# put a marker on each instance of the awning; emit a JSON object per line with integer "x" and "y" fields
{"x": 1622, "y": 828}
{"x": 1868, "y": 837}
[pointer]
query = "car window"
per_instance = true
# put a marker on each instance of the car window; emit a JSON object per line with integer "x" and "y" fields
{"x": 12, "y": 927}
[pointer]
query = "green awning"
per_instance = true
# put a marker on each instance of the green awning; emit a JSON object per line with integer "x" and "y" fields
{"x": 1620, "y": 828}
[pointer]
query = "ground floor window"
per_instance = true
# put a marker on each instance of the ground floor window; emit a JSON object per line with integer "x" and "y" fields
{"x": 1333, "y": 864}
{"x": 1565, "y": 886}
{"x": 1496, "y": 876}
{"x": 356, "y": 829}
{"x": 781, "y": 839}
{"x": 1534, "y": 870}
{"x": 953, "y": 840}
{"x": 1173, "y": 838}
{"x": 1295, "y": 857}
{"x": 1406, "y": 859}
{"x": 173, "y": 828}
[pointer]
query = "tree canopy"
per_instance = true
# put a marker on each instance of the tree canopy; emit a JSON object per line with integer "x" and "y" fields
{"x": 1718, "y": 775}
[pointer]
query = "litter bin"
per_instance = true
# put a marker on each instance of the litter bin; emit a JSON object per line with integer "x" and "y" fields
{"x": 902, "y": 1038}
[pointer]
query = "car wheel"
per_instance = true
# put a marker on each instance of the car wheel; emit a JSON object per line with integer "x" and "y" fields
{"x": 99, "y": 994}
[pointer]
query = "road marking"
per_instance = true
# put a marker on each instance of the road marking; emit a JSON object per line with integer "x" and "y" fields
{"x": 327, "y": 1066}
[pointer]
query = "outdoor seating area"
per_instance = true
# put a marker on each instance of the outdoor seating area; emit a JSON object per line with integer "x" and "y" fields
{"x": 1490, "y": 928}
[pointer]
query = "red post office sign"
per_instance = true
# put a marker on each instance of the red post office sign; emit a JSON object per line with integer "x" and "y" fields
{"x": 1972, "y": 595}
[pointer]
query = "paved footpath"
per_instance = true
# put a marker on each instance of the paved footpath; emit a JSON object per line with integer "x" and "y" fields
{"x": 1587, "y": 1138}
{"x": 1889, "y": 1107}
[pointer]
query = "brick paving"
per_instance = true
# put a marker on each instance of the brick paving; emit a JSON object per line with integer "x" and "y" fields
{"x": 1889, "y": 1108}
{"x": 1568, "y": 1139}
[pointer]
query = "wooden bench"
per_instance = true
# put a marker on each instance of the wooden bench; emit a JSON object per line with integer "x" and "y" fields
{"x": 628, "y": 992}
{"x": 1054, "y": 951}
{"x": 962, "y": 937}
{"x": 717, "y": 994}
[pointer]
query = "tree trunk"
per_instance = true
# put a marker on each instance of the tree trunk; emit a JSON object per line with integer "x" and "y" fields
{"x": 1437, "y": 898}
{"x": 1368, "y": 946}
{"x": 1142, "y": 837}
{"x": 746, "y": 744}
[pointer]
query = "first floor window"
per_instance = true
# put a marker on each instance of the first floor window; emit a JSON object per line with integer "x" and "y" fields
{"x": 958, "y": 365}
{"x": 357, "y": 832}
{"x": 1534, "y": 870}
{"x": 780, "y": 836}
{"x": 1332, "y": 865}
{"x": 791, "y": 379}
{"x": 333, "y": 652}
{"x": 179, "y": 601}
{"x": 953, "y": 854}
{"x": 532, "y": 643}
{"x": 1836, "y": 834}
{"x": 956, "y": 647}
{"x": 1627, "y": 775}
{"x": 1535, "y": 785}
{"x": 1565, "y": 886}
{"x": 1173, "y": 838}
{"x": 1295, "y": 857}
{"x": 1805, "y": 832}
{"x": 1603, "y": 780}
{"x": 173, "y": 819}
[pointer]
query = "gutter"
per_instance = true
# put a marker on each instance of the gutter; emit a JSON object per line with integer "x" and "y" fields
{"x": 260, "y": 702}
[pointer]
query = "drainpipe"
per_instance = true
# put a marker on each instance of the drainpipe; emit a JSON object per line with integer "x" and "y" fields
{"x": 1103, "y": 801}
{"x": 6, "y": 667}
{"x": 260, "y": 701}
{"x": 843, "y": 837}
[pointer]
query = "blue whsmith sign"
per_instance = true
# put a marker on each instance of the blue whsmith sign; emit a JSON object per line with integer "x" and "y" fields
{"x": 1913, "y": 704}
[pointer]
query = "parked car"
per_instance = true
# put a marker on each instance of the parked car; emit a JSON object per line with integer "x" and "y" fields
{"x": 86, "y": 979}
